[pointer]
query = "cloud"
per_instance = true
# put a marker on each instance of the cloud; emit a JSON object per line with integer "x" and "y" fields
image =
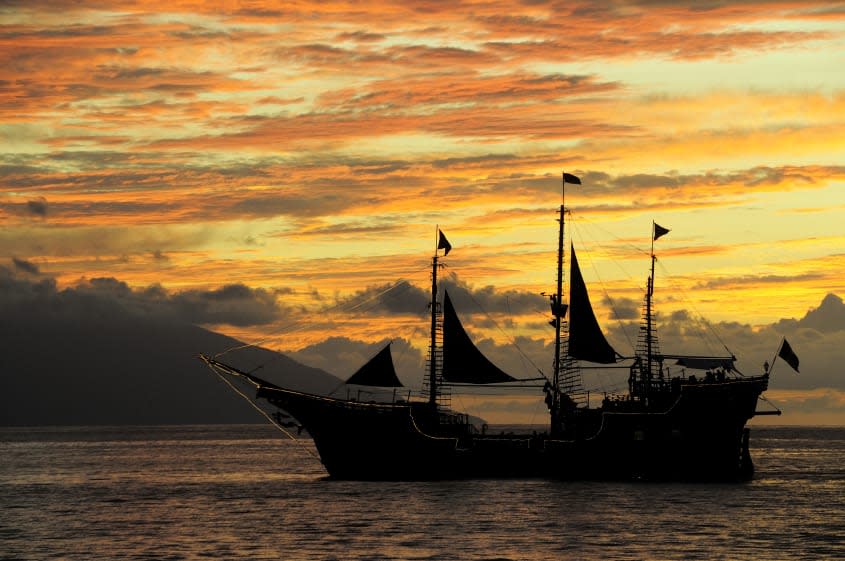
{"x": 342, "y": 356}
{"x": 817, "y": 337}
{"x": 702, "y": 185}
{"x": 89, "y": 299}
{"x": 125, "y": 187}
{"x": 758, "y": 280}
{"x": 178, "y": 144}
{"x": 819, "y": 406}
{"x": 468, "y": 90}
{"x": 24, "y": 266}
{"x": 623, "y": 308}
{"x": 32, "y": 209}
{"x": 474, "y": 302}
{"x": 233, "y": 304}
{"x": 681, "y": 332}
{"x": 828, "y": 317}
{"x": 490, "y": 300}
{"x": 37, "y": 207}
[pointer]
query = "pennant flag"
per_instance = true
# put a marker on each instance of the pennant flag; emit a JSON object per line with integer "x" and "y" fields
{"x": 788, "y": 355}
{"x": 569, "y": 178}
{"x": 444, "y": 244}
{"x": 659, "y": 230}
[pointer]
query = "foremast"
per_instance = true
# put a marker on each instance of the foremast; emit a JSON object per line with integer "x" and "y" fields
{"x": 558, "y": 313}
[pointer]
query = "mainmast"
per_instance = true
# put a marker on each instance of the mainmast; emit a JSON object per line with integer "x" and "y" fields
{"x": 558, "y": 307}
{"x": 558, "y": 311}
{"x": 433, "y": 353}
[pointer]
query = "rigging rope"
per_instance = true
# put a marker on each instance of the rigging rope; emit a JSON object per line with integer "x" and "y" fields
{"x": 702, "y": 326}
{"x": 699, "y": 319}
{"x": 264, "y": 413}
{"x": 763, "y": 397}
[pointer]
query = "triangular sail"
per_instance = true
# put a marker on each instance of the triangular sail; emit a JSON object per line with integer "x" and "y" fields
{"x": 462, "y": 361}
{"x": 378, "y": 371}
{"x": 586, "y": 340}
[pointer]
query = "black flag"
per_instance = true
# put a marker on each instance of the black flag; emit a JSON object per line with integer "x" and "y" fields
{"x": 788, "y": 355}
{"x": 659, "y": 230}
{"x": 444, "y": 244}
{"x": 569, "y": 178}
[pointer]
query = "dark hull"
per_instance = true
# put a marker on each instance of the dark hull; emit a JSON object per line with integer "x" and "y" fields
{"x": 697, "y": 433}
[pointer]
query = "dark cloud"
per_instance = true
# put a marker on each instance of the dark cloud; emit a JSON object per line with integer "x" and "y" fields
{"x": 469, "y": 88}
{"x": 400, "y": 299}
{"x": 24, "y": 266}
{"x": 479, "y": 308}
{"x": 818, "y": 338}
{"x": 623, "y": 308}
{"x": 829, "y": 317}
{"x": 361, "y": 36}
{"x": 16, "y": 294}
{"x": 289, "y": 204}
{"x": 96, "y": 298}
{"x": 342, "y": 356}
{"x": 37, "y": 207}
{"x": 309, "y": 187}
{"x": 474, "y": 303}
{"x": 32, "y": 209}
{"x": 234, "y": 304}
{"x": 487, "y": 160}
{"x": 489, "y": 300}
{"x": 751, "y": 280}
{"x": 760, "y": 178}
{"x": 357, "y": 229}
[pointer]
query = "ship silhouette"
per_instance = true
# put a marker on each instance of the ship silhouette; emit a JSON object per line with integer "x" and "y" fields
{"x": 668, "y": 426}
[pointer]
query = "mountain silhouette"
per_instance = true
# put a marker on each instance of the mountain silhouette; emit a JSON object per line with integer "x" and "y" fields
{"x": 128, "y": 369}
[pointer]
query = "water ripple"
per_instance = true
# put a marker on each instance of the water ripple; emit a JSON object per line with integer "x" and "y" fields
{"x": 192, "y": 493}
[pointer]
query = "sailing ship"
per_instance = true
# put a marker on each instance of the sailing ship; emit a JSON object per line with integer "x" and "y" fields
{"x": 668, "y": 426}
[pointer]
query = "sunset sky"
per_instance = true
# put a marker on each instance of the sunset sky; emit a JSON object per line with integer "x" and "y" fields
{"x": 278, "y": 170}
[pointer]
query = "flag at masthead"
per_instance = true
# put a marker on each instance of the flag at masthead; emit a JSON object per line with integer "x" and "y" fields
{"x": 444, "y": 243}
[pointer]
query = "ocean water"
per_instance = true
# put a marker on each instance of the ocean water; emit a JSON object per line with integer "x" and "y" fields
{"x": 242, "y": 492}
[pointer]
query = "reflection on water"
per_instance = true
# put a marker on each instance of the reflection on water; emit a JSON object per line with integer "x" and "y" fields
{"x": 241, "y": 492}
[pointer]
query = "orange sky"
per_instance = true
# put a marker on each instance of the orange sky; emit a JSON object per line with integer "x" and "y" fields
{"x": 307, "y": 151}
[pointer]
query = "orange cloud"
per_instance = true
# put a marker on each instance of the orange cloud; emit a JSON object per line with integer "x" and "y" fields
{"x": 176, "y": 143}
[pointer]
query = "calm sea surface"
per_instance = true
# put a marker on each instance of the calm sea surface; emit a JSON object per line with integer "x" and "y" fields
{"x": 242, "y": 492}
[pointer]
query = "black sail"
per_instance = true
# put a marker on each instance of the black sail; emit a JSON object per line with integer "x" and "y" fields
{"x": 462, "y": 361}
{"x": 586, "y": 341}
{"x": 378, "y": 371}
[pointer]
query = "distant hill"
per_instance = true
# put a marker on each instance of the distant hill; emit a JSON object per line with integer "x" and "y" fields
{"x": 128, "y": 369}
